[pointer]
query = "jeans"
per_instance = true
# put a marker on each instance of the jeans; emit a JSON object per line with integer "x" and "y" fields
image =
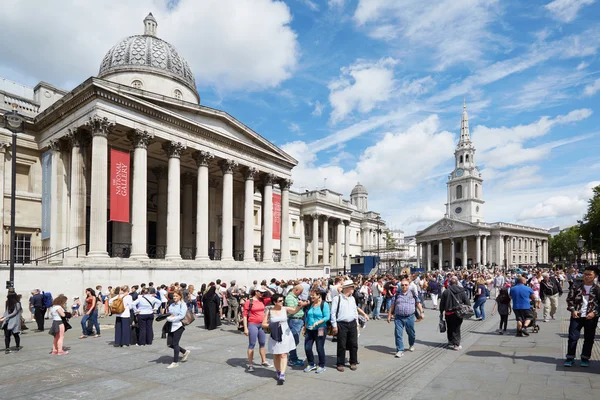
{"x": 173, "y": 342}
{"x": 295, "y": 326}
{"x": 93, "y": 316}
{"x": 388, "y": 304}
{"x": 479, "y": 307}
{"x": 312, "y": 336}
{"x": 589, "y": 331}
{"x": 377, "y": 306}
{"x": 402, "y": 323}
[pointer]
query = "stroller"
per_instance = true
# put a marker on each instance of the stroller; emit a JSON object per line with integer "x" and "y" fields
{"x": 535, "y": 328}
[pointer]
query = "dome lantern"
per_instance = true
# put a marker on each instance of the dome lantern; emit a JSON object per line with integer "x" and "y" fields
{"x": 150, "y": 25}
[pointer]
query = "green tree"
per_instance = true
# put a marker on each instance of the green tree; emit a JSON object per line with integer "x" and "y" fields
{"x": 591, "y": 223}
{"x": 565, "y": 241}
{"x": 390, "y": 241}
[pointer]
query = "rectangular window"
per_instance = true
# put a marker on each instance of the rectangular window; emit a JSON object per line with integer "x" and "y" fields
{"x": 256, "y": 218}
{"x": 22, "y": 178}
{"x": 294, "y": 227}
{"x": 22, "y": 248}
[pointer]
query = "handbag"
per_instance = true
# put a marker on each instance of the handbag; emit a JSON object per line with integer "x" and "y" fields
{"x": 464, "y": 311}
{"x": 442, "y": 325}
{"x": 267, "y": 326}
{"x": 189, "y": 318}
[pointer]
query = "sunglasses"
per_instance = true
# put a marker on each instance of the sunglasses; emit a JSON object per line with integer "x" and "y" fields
{"x": 279, "y": 301}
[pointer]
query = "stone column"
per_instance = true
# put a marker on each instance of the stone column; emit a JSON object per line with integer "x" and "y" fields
{"x": 440, "y": 254}
{"x": 326, "y": 240}
{"x": 174, "y": 150}
{"x": 202, "y": 159}
{"x": 452, "y": 254}
{"x": 418, "y": 255}
{"x": 465, "y": 254}
{"x": 55, "y": 148}
{"x": 249, "y": 174}
{"x": 161, "y": 174}
{"x": 267, "y": 209}
{"x": 187, "y": 241}
{"x": 428, "y": 256}
{"x": 478, "y": 250}
{"x": 315, "y": 239}
{"x": 484, "y": 250}
{"x": 285, "y": 185}
{"x": 339, "y": 243}
{"x": 139, "y": 213}
{"x": 545, "y": 257}
{"x": 100, "y": 128}
{"x": 346, "y": 239}
{"x": 501, "y": 250}
{"x": 227, "y": 167}
{"x": 78, "y": 141}
{"x": 302, "y": 249}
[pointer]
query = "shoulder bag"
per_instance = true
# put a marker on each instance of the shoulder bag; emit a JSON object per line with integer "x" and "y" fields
{"x": 189, "y": 317}
{"x": 463, "y": 311}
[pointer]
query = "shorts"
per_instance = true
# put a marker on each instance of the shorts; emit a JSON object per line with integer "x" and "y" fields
{"x": 523, "y": 315}
{"x": 255, "y": 332}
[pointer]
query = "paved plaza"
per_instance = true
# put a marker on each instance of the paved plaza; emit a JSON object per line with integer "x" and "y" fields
{"x": 489, "y": 366}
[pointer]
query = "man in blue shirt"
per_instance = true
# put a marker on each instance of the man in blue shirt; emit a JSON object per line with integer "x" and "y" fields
{"x": 522, "y": 296}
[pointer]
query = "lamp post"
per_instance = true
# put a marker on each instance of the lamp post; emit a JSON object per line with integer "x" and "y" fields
{"x": 580, "y": 243}
{"x": 13, "y": 121}
{"x": 345, "y": 256}
{"x": 590, "y": 251}
{"x": 570, "y": 252}
{"x": 378, "y": 235}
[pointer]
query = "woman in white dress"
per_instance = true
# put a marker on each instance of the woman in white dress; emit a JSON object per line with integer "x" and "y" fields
{"x": 281, "y": 341}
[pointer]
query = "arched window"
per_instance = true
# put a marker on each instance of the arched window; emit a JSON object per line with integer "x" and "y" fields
{"x": 461, "y": 159}
{"x": 467, "y": 158}
{"x": 178, "y": 94}
{"x": 459, "y": 192}
{"x": 476, "y": 191}
{"x": 137, "y": 84}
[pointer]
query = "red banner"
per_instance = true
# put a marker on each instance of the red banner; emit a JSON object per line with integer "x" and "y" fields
{"x": 276, "y": 216}
{"x": 119, "y": 186}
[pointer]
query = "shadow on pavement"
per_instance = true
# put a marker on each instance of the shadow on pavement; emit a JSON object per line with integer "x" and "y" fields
{"x": 541, "y": 359}
{"x": 259, "y": 370}
{"x": 430, "y": 344}
{"x": 163, "y": 360}
{"x": 380, "y": 349}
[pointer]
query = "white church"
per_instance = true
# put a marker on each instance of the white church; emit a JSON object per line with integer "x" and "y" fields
{"x": 462, "y": 238}
{"x": 128, "y": 178}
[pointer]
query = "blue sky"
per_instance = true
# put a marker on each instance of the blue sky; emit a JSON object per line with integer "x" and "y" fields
{"x": 371, "y": 90}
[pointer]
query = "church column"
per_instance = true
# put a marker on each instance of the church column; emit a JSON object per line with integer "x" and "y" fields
{"x": 285, "y": 185}
{"x": 100, "y": 128}
{"x": 267, "y": 209}
{"x": 428, "y": 256}
{"x": 187, "y": 220}
{"x": 326, "y": 240}
{"x": 55, "y": 147}
{"x": 174, "y": 150}
{"x": 464, "y": 249}
{"x": 301, "y": 260}
{"x": 249, "y": 175}
{"x": 484, "y": 250}
{"x": 139, "y": 193}
{"x": 202, "y": 159}
{"x": 440, "y": 254}
{"x": 315, "y": 239}
{"x": 346, "y": 240}
{"x": 418, "y": 255}
{"x": 545, "y": 257}
{"x": 227, "y": 167}
{"x": 478, "y": 250}
{"x": 452, "y": 254}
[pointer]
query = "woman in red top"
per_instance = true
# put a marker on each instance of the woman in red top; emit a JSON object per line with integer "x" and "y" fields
{"x": 254, "y": 313}
{"x": 91, "y": 313}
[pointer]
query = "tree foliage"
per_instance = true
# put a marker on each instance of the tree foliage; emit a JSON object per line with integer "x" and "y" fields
{"x": 591, "y": 223}
{"x": 565, "y": 241}
{"x": 390, "y": 241}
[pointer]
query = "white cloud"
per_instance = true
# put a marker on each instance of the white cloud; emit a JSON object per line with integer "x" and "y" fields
{"x": 318, "y": 111}
{"x": 582, "y": 65}
{"x": 336, "y": 3}
{"x": 592, "y": 88}
{"x": 456, "y": 30}
{"x": 294, "y": 127}
{"x": 513, "y": 178}
{"x": 417, "y": 87}
{"x": 563, "y": 205}
{"x": 254, "y": 50}
{"x": 312, "y": 5}
{"x": 566, "y": 10}
{"x": 547, "y": 90}
{"x": 361, "y": 87}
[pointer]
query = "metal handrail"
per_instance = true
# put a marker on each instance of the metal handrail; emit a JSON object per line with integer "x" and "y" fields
{"x": 61, "y": 252}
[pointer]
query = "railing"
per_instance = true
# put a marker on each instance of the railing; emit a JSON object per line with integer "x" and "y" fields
{"x": 258, "y": 255}
{"x": 157, "y": 252}
{"x": 26, "y": 255}
{"x": 238, "y": 255}
{"x": 188, "y": 253}
{"x": 215, "y": 254}
{"x": 60, "y": 252}
{"x": 122, "y": 250}
{"x": 276, "y": 256}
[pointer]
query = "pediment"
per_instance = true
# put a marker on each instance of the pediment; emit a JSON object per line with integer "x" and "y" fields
{"x": 446, "y": 226}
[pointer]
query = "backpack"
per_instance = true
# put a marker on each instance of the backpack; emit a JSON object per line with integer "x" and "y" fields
{"x": 117, "y": 306}
{"x": 47, "y": 299}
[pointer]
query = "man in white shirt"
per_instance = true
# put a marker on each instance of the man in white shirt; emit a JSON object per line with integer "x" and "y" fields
{"x": 377, "y": 289}
{"x": 344, "y": 314}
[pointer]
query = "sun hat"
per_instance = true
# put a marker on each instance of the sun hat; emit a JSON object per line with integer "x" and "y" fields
{"x": 348, "y": 283}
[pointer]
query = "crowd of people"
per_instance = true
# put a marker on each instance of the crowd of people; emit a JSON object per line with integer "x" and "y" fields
{"x": 285, "y": 311}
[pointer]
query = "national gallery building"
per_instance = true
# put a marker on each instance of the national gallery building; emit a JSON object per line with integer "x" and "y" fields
{"x": 127, "y": 179}
{"x": 462, "y": 238}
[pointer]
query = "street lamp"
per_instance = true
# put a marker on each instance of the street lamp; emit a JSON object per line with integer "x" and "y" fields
{"x": 580, "y": 243}
{"x": 590, "y": 251}
{"x": 13, "y": 121}
{"x": 570, "y": 252}
{"x": 345, "y": 256}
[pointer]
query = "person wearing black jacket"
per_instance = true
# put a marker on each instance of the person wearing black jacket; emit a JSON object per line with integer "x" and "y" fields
{"x": 451, "y": 300}
{"x": 550, "y": 291}
{"x": 37, "y": 301}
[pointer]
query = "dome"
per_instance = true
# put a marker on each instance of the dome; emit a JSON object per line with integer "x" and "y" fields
{"x": 359, "y": 189}
{"x": 147, "y": 53}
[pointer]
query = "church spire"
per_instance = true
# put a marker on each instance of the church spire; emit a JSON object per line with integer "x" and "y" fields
{"x": 465, "y": 137}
